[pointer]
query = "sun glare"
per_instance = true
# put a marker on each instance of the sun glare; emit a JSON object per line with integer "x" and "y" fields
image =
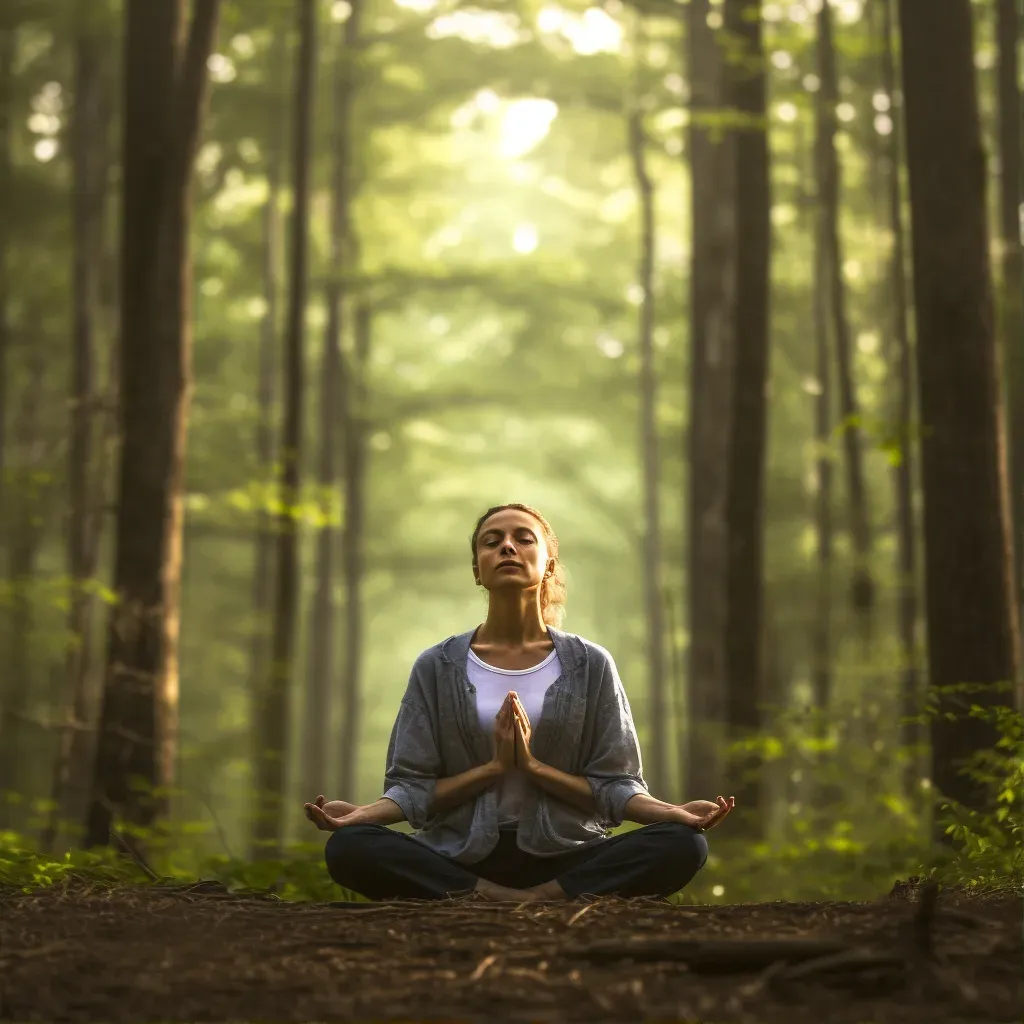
{"x": 524, "y": 241}
{"x": 594, "y": 31}
{"x": 525, "y": 123}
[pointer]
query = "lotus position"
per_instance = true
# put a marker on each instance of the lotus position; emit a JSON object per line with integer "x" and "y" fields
{"x": 513, "y": 754}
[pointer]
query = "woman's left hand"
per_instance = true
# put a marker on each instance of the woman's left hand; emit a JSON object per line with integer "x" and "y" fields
{"x": 714, "y": 812}
{"x": 524, "y": 733}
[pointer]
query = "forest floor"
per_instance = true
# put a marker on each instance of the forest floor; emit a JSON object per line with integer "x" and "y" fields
{"x": 203, "y": 954}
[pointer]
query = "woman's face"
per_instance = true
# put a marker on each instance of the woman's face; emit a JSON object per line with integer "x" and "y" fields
{"x": 511, "y": 551}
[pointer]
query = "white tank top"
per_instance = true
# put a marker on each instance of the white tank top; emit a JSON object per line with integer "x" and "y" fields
{"x": 492, "y": 684}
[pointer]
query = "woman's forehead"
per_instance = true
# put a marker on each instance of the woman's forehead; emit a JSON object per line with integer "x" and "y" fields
{"x": 511, "y": 519}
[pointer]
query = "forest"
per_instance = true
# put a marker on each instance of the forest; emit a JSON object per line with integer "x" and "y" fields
{"x": 292, "y": 290}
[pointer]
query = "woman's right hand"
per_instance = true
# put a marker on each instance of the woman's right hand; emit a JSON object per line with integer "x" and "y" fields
{"x": 505, "y": 736}
{"x": 329, "y": 815}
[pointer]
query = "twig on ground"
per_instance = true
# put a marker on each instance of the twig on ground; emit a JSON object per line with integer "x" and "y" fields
{"x": 481, "y": 968}
{"x": 136, "y": 857}
{"x": 579, "y": 913}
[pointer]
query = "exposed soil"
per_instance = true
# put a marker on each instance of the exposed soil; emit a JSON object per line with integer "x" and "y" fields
{"x": 205, "y": 955}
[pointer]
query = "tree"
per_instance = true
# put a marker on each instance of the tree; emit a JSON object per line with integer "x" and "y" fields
{"x": 862, "y": 590}
{"x": 355, "y": 420}
{"x": 8, "y": 38}
{"x": 165, "y": 85}
{"x": 972, "y": 631}
{"x": 266, "y": 384}
{"x": 822, "y": 648}
{"x": 90, "y": 157}
{"x": 273, "y": 718}
{"x": 901, "y": 357}
{"x": 648, "y": 392}
{"x": 712, "y": 248}
{"x": 321, "y": 659}
{"x": 746, "y": 94}
{"x": 1012, "y": 293}
{"x": 28, "y": 493}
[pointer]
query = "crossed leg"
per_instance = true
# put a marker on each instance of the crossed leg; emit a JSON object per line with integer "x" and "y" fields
{"x": 381, "y": 864}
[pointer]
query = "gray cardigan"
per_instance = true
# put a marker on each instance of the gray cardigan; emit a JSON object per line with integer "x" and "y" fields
{"x": 585, "y": 728}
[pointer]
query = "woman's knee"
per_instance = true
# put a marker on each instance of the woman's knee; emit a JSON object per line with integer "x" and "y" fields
{"x": 683, "y": 843}
{"x": 350, "y": 847}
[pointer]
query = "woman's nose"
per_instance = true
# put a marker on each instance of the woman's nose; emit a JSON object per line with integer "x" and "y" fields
{"x": 508, "y": 548}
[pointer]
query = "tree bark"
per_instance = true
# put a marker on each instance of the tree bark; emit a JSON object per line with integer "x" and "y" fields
{"x": 273, "y": 726}
{"x": 972, "y": 628}
{"x": 90, "y": 159}
{"x": 8, "y": 41}
{"x": 902, "y": 359}
{"x": 355, "y": 413}
{"x": 657, "y": 705}
{"x": 862, "y": 591}
{"x": 712, "y": 298}
{"x": 165, "y": 89}
{"x": 26, "y": 535}
{"x": 1010, "y": 195}
{"x": 266, "y": 388}
{"x": 321, "y": 659}
{"x": 746, "y": 93}
{"x": 822, "y": 641}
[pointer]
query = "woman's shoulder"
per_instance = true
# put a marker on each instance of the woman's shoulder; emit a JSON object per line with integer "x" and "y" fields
{"x": 451, "y": 648}
{"x": 593, "y": 653}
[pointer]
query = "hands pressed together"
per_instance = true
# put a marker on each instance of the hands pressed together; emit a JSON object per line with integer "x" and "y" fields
{"x": 512, "y": 736}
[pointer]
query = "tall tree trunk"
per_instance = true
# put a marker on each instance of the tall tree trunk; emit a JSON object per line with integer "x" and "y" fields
{"x": 8, "y": 42}
{"x": 165, "y": 78}
{"x": 26, "y": 535}
{"x": 712, "y": 284}
{"x": 1010, "y": 196}
{"x": 657, "y": 705}
{"x": 355, "y": 413}
{"x": 822, "y": 642}
{"x": 263, "y": 539}
{"x": 90, "y": 159}
{"x": 902, "y": 358}
{"x": 273, "y": 725}
{"x": 321, "y": 660}
{"x": 972, "y": 628}
{"x": 862, "y": 592}
{"x": 746, "y": 93}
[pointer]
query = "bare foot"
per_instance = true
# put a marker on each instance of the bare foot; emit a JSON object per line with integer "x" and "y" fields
{"x": 495, "y": 893}
{"x": 549, "y": 892}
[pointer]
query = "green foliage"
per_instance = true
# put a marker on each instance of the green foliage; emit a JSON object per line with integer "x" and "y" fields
{"x": 989, "y": 844}
{"x": 24, "y": 868}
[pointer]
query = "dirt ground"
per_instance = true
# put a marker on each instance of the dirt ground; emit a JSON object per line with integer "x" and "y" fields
{"x": 201, "y": 954}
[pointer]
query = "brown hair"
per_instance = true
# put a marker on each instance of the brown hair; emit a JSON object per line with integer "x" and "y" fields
{"x": 552, "y": 588}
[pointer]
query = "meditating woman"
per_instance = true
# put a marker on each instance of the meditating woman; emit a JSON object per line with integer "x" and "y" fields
{"x": 513, "y": 754}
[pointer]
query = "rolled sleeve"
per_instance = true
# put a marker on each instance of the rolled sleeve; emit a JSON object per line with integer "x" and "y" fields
{"x": 413, "y": 761}
{"x": 614, "y": 768}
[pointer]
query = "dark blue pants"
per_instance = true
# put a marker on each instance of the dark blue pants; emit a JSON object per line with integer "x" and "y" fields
{"x": 382, "y": 864}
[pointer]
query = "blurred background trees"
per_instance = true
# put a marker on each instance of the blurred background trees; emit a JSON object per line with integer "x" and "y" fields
{"x": 659, "y": 268}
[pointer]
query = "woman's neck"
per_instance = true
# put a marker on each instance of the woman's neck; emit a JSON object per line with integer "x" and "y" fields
{"x": 513, "y": 619}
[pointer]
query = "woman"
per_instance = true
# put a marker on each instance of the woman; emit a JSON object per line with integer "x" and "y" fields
{"x": 513, "y": 753}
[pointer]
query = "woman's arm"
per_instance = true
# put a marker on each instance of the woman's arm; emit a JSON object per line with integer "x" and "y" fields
{"x": 570, "y": 789}
{"x": 457, "y": 789}
{"x": 644, "y": 809}
{"x": 613, "y": 766}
